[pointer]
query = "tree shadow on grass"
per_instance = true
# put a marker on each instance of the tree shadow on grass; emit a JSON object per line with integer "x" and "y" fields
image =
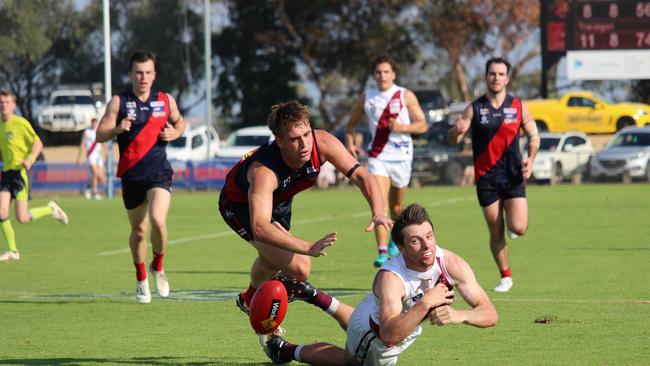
{"x": 152, "y": 361}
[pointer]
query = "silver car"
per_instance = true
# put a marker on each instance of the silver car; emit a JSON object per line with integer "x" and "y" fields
{"x": 625, "y": 157}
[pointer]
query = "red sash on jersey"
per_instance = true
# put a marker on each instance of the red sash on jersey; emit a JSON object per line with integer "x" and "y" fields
{"x": 145, "y": 140}
{"x": 383, "y": 127}
{"x": 91, "y": 148}
{"x": 498, "y": 144}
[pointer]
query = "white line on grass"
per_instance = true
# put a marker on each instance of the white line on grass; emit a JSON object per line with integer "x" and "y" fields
{"x": 298, "y": 222}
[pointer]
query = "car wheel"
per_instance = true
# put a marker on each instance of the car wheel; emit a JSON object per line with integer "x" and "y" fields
{"x": 557, "y": 176}
{"x": 453, "y": 173}
{"x": 541, "y": 126}
{"x": 624, "y": 122}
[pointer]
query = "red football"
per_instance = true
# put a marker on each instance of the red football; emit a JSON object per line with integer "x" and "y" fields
{"x": 268, "y": 307}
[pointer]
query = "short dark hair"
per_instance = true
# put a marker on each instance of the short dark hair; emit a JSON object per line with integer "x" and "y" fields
{"x": 285, "y": 115}
{"x": 7, "y": 93}
{"x": 414, "y": 214}
{"x": 140, "y": 56}
{"x": 383, "y": 59}
{"x": 497, "y": 60}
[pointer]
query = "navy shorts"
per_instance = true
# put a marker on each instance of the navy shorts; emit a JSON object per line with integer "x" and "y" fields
{"x": 238, "y": 217}
{"x": 489, "y": 192}
{"x": 135, "y": 193}
{"x": 14, "y": 182}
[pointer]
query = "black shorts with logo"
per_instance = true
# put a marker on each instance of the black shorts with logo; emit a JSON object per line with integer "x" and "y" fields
{"x": 238, "y": 216}
{"x": 12, "y": 181}
{"x": 135, "y": 193}
{"x": 490, "y": 191}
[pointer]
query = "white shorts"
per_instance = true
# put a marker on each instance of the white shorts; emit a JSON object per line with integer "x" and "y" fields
{"x": 367, "y": 348}
{"x": 95, "y": 160}
{"x": 398, "y": 171}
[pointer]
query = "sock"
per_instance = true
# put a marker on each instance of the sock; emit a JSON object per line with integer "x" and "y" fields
{"x": 325, "y": 302}
{"x": 506, "y": 273}
{"x": 38, "y": 212}
{"x": 248, "y": 295}
{"x": 288, "y": 351}
{"x": 156, "y": 263}
{"x": 8, "y": 232}
{"x": 140, "y": 271}
{"x": 382, "y": 250}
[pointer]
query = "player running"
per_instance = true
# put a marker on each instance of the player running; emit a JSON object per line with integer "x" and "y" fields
{"x": 19, "y": 146}
{"x": 499, "y": 170}
{"x": 93, "y": 151}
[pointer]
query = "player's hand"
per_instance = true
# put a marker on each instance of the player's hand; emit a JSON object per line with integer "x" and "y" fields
{"x": 527, "y": 167}
{"x": 380, "y": 220}
{"x": 319, "y": 247}
{"x": 27, "y": 164}
{"x": 461, "y": 126}
{"x": 125, "y": 124}
{"x": 169, "y": 133}
{"x": 395, "y": 126}
{"x": 444, "y": 314}
{"x": 438, "y": 295}
{"x": 354, "y": 150}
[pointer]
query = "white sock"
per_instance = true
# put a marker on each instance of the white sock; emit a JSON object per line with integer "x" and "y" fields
{"x": 296, "y": 353}
{"x": 333, "y": 306}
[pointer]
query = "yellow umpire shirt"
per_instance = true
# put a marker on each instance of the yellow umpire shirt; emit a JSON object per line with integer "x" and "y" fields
{"x": 16, "y": 139}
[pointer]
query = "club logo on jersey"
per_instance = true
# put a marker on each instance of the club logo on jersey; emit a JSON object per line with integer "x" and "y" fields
{"x": 157, "y": 108}
{"x": 509, "y": 115}
{"x": 131, "y": 109}
{"x": 484, "y": 112}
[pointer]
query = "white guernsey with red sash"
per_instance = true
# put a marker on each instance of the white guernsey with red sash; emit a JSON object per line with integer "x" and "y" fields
{"x": 380, "y": 107}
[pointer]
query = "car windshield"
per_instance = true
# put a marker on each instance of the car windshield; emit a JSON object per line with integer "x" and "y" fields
{"x": 548, "y": 143}
{"x": 73, "y": 99}
{"x": 249, "y": 140}
{"x": 631, "y": 139}
{"x": 430, "y": 99}
{"x": 179, "y": 142}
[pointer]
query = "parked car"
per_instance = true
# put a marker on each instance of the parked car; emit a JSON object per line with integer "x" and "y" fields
{"x": 193, "y": 144}
{"x": 561, "y": 155}
{"x": 433, "y": 104}
{"x": 244, "y": 140}
{"x": 626, "y": 156}
{"x": 437, "y": 161}
{"x": 68, "y": 113}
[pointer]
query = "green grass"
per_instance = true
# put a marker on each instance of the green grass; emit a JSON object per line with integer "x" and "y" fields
{"x": 584, "y": 266}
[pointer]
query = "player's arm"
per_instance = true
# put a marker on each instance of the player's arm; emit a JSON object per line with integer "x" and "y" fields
{"x": 260, "y": 197}
{"x": 82, "y": 148}
{"x": 457, "y": 133}
{"x": 482, "y": 314}
{"x": 530, "y": 128}
{"x": 418, "y": 123}
{"x": 353, "y": 122}
{"x": 108, "y": 128}
{"x": 333, "y": 151}
{"x": 394, "y": 324}
{"x": 37, "y": 147}
{"x": 175, "y": 125}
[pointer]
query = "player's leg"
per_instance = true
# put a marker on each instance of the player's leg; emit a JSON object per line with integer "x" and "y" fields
{"x": 7, "y": 228}
{"x": 159, "y": 201}
{"x": 281, "y": 351}
{"x": 516, "y": 215}
{"x": 379, "y": 171}
{"x": 494, "y": 219}
{"x": 138, "y": 245}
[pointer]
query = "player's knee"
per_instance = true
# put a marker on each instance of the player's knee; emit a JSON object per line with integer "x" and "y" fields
{"x": 519, "y": 228}
{"x": 24, "y": 219}
{"x": 300, "y": 271}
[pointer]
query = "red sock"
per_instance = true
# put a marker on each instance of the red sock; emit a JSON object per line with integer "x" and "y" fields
{"x": 322, "y": 300}
{"x": 506, "y": 273}
{"x": 140, "y": 271}
{"x": 383, "y": 250}
{"x": 248, "y": 295}
{"x": 156, "y": 263}
{"x": 288, "y": 351}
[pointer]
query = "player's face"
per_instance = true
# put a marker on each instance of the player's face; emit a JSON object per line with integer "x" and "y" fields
{"x": 142, "y": 76}
{"x": 419, "y": 246}
{"x": 296, "y": 144}
{"x": 384, "y": 76}
{"x": 497, "y": 78}
{"x": 7, "y": 106}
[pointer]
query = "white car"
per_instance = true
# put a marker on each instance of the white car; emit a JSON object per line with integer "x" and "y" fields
{"x": 70, "y": 111}
{"x": 626, "y": 156}
{"x": 193, "y": 144}
{"x": 561, "y": 155}
{"x": 244, "y": 140}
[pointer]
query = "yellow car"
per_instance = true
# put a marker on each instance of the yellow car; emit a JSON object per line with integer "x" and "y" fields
{"x": 583, "y": 111}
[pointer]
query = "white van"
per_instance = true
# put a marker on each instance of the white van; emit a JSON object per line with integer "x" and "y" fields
{"x": 193, "y": 144}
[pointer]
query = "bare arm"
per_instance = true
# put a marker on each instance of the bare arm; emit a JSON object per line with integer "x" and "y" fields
{"x": 457, "y": 133}
{"x": 530, "y": 128}
{"x": 260, "y": 197}
{"x": 82, "y": 148}
{"x": 333, "y": 151}
{"x": 395, "y": 324}
{"x": 175, "y": 125}
{"x": 418, "y": 123}
{"x": 37, "y": 147}
{"x": 108, "y": 128}
{"x": 353, "y": 122}
{"x": 483, "y": 314}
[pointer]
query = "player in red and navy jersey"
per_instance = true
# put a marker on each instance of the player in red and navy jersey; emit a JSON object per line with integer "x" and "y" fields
{"x": 495, "y": 120}
{"x": 144, "y": 120}
{"x": 256, "y": 203}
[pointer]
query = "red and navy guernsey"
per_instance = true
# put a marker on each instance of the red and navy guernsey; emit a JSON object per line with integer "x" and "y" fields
{"x": 495, "y": 140}
{"x": 142, "y": 152}
{"x": 290, "y": 181}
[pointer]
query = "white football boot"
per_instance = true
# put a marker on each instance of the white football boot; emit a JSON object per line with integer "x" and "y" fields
{"x": 505, "y": 284}
{"x": 160, "y": 281}
{"x": 58, "y": 213}
{"x": 142, "y": 293}
{"x": 9, "y": 256}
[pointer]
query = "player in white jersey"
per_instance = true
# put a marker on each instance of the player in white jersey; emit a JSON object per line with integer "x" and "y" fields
{"x": 407, "y": 290}
{"x": 93, "y": 151}
{"x": 394, "y": 113}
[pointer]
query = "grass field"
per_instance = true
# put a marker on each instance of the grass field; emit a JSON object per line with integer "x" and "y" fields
{"x": 583, "y": 268}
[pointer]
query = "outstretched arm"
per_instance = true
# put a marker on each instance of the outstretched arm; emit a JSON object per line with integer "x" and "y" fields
{"x": 483, "y": 314}
{"x": 463, "y": 123}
